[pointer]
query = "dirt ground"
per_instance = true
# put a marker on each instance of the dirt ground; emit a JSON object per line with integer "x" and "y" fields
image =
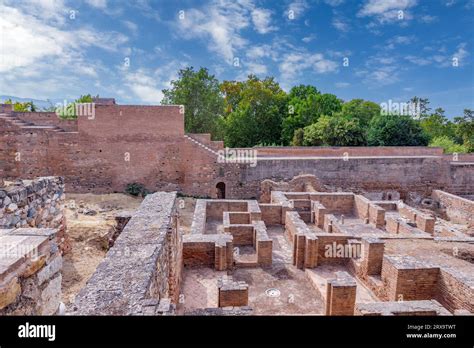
{"x": 90, "y": 219}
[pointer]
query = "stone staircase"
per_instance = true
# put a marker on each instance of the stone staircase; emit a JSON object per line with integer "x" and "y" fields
{"x": 24, "y": 125}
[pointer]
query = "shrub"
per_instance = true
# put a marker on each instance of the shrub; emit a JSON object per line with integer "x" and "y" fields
{"x": 448, "y": 145}
{"x": 136, "y": 189}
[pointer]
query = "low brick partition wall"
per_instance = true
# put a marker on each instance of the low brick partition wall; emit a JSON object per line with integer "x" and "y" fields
{"x": 458, "y": 209}
{"x": 216, "y": 207}
{"x": 318, "y": 212}
{"x": 208, "y": 250}
{"x": 334, "y": 248}
{"x": 406, "y": 278}
{"x": 341, "y": 295}
{"x": 373, "y": 252}
{"x": 422, "y": 221}
{"x": 455, "y": 291}
{"x": 241, "y": 229}
{"x": 232, "y": 293}
{"x": 398, "y": 225}
{"x": 142, "y": 268}
{"x": 263, "y": 244}
{"x": 30, "y": 272}
{"x": 305, "y": 243}
{"x": 271, "y": 213}
{"x": 369, "y": 211}
{"x": 198, "y": 225}
{"x": 424, "y": 307}
{"x": 35, "y": 203}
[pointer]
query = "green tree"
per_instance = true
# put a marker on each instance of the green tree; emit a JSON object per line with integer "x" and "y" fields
{"x": 334, "y": 131}
{"x": 465, "y": 129}
{"x": 423, "y": 105}
{"x": 298, "y": 138}
{"x": 361, "y": 109}
{"x": 394, "y": 130}
{"x": 306, "y": 104}
{"x": 203, "y": 102}
{"x": 448, "y": 145}
{"x": 257, "y": 116}
{"x": 437, "y": 125}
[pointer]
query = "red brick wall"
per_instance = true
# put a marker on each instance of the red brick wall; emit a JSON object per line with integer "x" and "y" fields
{"x": 162, "y": 158}
{"x": 458, "y": 209}
{"x": 271, "y": 213}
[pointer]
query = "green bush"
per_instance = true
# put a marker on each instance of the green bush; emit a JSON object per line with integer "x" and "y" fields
{"x": 136, "y": 189}
{"x": 448, "y": 145}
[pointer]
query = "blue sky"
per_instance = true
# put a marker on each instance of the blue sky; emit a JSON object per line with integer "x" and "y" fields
{"x": 378, "y": 50}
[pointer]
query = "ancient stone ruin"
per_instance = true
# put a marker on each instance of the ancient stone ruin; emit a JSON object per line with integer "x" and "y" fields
{"x": 321, "y": 231}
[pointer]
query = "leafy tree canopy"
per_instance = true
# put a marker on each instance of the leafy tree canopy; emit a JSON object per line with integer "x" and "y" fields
{"x": 394, "y": 130}
{"x": 200, "y": 94}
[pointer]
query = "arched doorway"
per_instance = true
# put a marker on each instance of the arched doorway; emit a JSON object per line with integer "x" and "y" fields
{"x": 220, "y": 190}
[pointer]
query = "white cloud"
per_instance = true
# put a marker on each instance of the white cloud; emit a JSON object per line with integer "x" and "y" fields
{"x": 102, "y": 4}
{"x": 428, "y": 19}
{"x": 399, "y": 40}
{"x": 442, "y": 60}
{"x": 261, "y": 19}
{"x": 133, "y": 27}
{"x": 263, "y": 51}
{"x": 340, "y": 24}
{"x": 309, "y": 38}
{"x": 42, "y": 57}
{"x": 387, "y": 11}
{"x": 219, "y": 24}
{"x": 461, "y": 53}
{"x": 421, "y": 61}
{"x": 143, "y": 89}
{"x": 147, "y": 85}
{"x": 295, "y": 63}
{"x": 256, "y": 68}
{"x": 296, "y": 9}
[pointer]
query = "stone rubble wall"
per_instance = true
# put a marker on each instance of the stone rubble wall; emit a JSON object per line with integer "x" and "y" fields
{"x": 30, "y": 272}
{"x": 142, "y": 268}
{"x": 35, "y": 203}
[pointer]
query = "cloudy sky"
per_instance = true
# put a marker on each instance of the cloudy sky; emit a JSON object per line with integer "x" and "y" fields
{"x": 379, "y": 50}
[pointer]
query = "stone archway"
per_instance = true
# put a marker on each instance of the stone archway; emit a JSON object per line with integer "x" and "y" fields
{"x": 220, "y": 190}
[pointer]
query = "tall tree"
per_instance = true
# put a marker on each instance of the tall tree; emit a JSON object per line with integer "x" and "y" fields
{"x": 334, "y": 131}
{"x": 305, "y": 106}
{"x": 257, "y": 116}
{"x": 203, "y": 102}
{"x": 437, "y": 125}
{"x": 362, "y": 110}
{"x": 422, "y": 104}
{"x": 465, "y": 129}
{"x": 395, "y": 130}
